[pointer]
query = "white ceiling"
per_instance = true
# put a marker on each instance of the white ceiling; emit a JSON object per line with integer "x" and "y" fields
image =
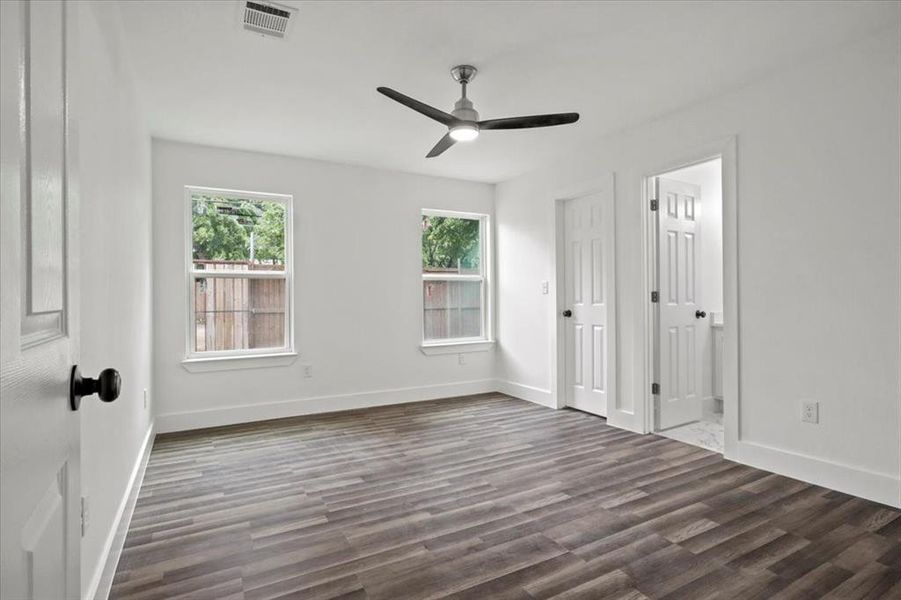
{"x": 203, "y": 79}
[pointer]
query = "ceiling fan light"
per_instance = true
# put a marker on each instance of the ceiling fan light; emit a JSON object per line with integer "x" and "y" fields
{"x": 464, "y": 133}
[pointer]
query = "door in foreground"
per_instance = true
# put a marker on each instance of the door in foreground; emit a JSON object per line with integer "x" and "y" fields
{"x": 40, "y": 502}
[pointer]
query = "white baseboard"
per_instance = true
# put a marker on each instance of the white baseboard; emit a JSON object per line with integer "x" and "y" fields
{"x": 247, "y": 413}
{"x": 527, "y": 392}
{"x": 878, "y": 487}
{"x": 102, "y": 580}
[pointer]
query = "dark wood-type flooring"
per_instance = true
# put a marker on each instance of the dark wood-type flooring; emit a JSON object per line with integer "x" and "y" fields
{"x": 487, "y": 497}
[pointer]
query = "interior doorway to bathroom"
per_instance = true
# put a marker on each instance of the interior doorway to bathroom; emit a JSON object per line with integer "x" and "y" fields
{"x": 687, "y": 232}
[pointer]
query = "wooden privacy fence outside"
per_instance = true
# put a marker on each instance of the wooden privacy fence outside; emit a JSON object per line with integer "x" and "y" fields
{"x": 238, "y": 313}
{"x": 244, "y": 313}
{"x": 453, "y": 309}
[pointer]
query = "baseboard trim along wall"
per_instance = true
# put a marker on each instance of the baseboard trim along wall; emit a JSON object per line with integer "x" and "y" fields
{"x": 102, "y": 580}
{"x": 878, "y": 487}
{"x": 230, "y": 415}
{"x": 526, "y": 392}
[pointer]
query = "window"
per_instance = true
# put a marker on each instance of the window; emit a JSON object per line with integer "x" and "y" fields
{"x": 239, "y": 273}
{"x": 454, "y": 278}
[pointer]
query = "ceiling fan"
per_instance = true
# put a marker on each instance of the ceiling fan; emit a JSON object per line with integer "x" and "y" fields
{"x": 463, "y": 122}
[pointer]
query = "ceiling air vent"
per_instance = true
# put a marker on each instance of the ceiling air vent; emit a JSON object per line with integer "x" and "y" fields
{"x": 267, "y": 18}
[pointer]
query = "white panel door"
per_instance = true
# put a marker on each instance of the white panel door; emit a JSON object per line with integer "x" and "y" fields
{"x": 679, "y": 280}
{"x": 589, "y": 279}
{"x": 39, "y": 433}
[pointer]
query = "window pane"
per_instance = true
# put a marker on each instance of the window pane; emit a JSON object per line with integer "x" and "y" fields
{"x": 238, "y": 313}
{"x": 450, "y": 245}
{"x": 453, "y": 309}
{"x": 236, "y": 234}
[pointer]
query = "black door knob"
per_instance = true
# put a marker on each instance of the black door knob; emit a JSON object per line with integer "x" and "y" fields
{"x": 700, "y": 314}
{"x": 107, "y": 386}
{"x": 567, "y": 313}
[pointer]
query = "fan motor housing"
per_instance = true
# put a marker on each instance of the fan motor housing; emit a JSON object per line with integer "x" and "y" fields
{"x": 464, "y": 111}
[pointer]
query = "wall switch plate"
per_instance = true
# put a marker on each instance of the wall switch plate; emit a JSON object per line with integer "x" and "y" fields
{"x": 810, "y": 411}
{"x": 461, "y": 359}
{"x": 545, "y": 286}
{"x": 307, "y": 371}
{"x": 145, "y": 398}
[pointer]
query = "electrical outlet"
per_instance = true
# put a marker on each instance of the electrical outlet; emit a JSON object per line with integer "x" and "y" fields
{"x": 145, "y": 398}
{"x": 461, "y": 359}
{"x": 810, "y": 411}
{"x": 307, "y": 371}
{"x": 545, "y": 287}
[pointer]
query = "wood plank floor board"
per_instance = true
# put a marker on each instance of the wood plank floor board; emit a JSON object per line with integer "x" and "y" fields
{"x": 815, "y": 584}
{"x": 706, "y": 587}
{"x": 486, "y": 497}
{"x": 595, "y": 568}
{"x": 615, "y": 584}
{"x": 290, "y": 577}
{"x": 873, "y": 581}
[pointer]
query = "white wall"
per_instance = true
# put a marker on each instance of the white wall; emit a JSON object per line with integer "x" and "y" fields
{"x": 707, "y": 176}
{"x": 819, "y": 261}
{"x": 358, "y": 289}
{"x": 114, "y": 159}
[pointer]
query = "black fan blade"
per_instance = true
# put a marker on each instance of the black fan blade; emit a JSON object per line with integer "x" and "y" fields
{"x": 531, "y": 121}
{"x": 420, "y": 107}
{"x": 443, "y": 144}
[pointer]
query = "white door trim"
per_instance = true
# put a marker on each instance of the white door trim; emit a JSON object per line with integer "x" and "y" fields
{"x": 727, "y": 150}
{"x": 558, "y": 333}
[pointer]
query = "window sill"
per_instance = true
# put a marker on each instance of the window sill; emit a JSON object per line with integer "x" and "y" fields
{"x": 456, "y": 347}
{"x": 231, "y": 363}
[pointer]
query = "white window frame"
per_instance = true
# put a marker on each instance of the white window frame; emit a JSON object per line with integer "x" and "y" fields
{"x": 192, "y": 274}
{"x": 485, "y": 341}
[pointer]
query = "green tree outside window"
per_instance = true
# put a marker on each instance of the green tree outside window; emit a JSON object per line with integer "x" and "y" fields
{"x": 450, "y": 243}
{"x": 238, "y": 230}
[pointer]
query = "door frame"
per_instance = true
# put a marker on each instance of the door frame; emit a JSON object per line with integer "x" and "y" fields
{"x": 558, "y": 333}
{"x": 725, "y": 149}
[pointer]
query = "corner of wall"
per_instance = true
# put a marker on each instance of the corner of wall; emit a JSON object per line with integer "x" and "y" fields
{"x": 527, "y": 392}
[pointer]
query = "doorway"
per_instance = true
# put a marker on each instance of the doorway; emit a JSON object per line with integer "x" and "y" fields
{"x": 688, "y": 331}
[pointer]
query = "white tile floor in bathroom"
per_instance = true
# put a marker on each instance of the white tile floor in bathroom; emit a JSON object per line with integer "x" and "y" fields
{"x": 706, "y": 433}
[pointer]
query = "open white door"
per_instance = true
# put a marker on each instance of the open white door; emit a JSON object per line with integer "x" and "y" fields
{"x": 40, "y": 514}
{"x": 589, "y": 304}
{"x": 679, "y": 401}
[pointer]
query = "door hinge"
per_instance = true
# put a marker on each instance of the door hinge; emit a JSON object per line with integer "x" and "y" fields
{"x": 653, "y": 204}
{"x": 655, "y": 296}
{"x": 655, "y": 389}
